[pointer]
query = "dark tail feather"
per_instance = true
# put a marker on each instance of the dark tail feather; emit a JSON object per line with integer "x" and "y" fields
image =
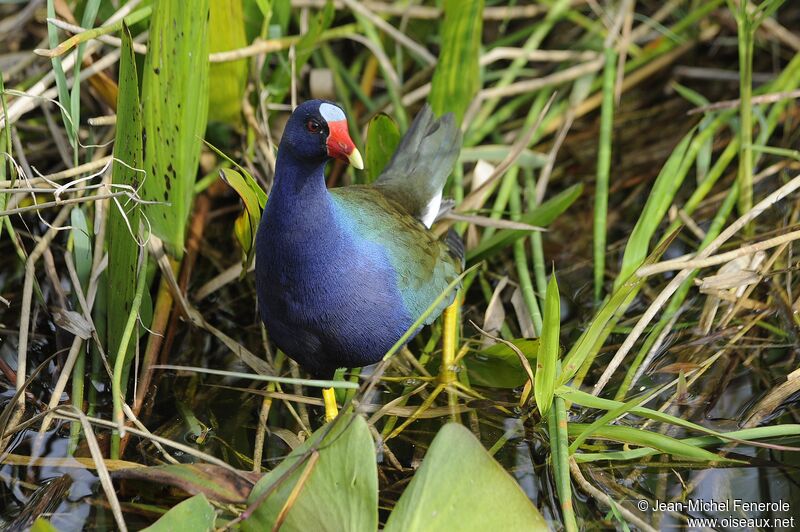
{"x": 424, "y": 158}
{"x": 455, "y": 245}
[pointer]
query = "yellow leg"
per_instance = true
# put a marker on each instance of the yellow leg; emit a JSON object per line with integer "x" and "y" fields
{"x": 329, "y": 398}
{"x": 449, "y": 334}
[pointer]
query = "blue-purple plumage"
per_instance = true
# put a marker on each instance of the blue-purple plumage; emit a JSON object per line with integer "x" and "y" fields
{"x": 341, "y": 274}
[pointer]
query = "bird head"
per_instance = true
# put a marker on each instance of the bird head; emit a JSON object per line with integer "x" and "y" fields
{"x": 318, "y": 130}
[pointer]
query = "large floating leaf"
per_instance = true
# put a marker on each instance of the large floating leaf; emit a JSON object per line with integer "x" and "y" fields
{"x": 195, "y": 514}
{"x": 461, "y": 487}
{"x": 339, "y": 493}
{"x": 175, "y": 106}
{"x": 456, "y": 79}
{"x": 123, "y": 216}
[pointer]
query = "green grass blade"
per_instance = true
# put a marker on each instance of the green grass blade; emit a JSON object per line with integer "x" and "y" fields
{"x": 456, "y": 79}
{"x": 645, "y": 438}
{"x": 89, "y": 15}
{"x": 175, "y": 108}
{"x": 758, "y": 433}
{"x": 603, "y": 171}
{"x": 559, "y": 455}
{"x": 61, "y": 78}
{"x": 547, "y": 359}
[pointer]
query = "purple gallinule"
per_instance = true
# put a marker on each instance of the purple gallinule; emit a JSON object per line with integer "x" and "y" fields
{"x": 342, "y": 274}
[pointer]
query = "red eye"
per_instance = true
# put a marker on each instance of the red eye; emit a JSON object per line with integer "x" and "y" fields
{"x": 313, "y": 126}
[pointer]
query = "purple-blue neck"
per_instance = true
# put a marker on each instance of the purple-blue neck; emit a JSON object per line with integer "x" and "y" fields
{"x": 299, "y": 178}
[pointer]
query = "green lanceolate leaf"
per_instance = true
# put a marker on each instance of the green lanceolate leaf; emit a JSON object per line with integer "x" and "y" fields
{"x": 195, "y": 514}
{"x": 227, "y": 80}
{"x": 447, "y": 494}
{"x": 457, "y": 76}
{"x": 383, "y": 136}
{"x": 175, "y": 108}
{"x": 123, "y": 216}
{"x": 547, "y": 360}
{"x": 340, "y": 483}
{"x": 246, "y": 224}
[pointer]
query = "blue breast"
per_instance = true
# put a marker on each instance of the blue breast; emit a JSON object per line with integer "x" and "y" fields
{"x": 328, "y": 297}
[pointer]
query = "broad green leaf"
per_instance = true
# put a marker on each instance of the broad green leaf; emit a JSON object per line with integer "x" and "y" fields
{"x": 498, "y": 366}
{"x": 646, "y": 438}
{"x": 123, "y": 216}
{"x": 383, "y": 136}
{"x": 339, "y": 493}
{"x": 459, "y": 486}
{"x": 543, "y": 215}
{"x": 227, "y": 80}
{"x": 658, "y": 201}
{"x": 175, "y": 108}
{"x": 195, "y": 514}
{"x": 456, "y": 79}
{"x": 246, "y": 224}
{"x": 547, "y": 360}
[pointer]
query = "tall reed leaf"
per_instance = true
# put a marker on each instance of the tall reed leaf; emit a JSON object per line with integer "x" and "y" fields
{"x": 123, "y": 217}
{"x": 227, "y": 80}
{"x": 457, "y": 76}
{"x": 547, "y": 359}
{"x": 175, "y": 107}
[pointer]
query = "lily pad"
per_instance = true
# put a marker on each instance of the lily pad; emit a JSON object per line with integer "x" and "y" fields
{"x": 461, "y": 487}
{"x": 339, "y": 493}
